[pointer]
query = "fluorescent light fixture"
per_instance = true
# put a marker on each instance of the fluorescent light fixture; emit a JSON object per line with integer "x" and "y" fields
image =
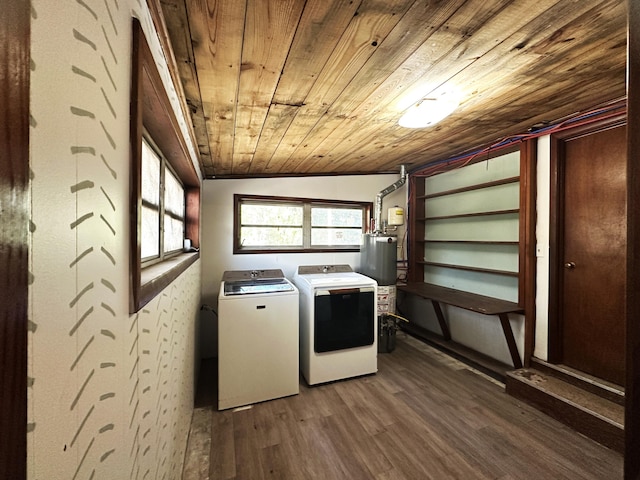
{"x": 428, "y": 112}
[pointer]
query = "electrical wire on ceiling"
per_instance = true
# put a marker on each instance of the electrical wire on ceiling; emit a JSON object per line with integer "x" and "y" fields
{"x": 441, "y": 166}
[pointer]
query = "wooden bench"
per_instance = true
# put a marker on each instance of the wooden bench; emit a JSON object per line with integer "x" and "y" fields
{"x": 468, "y": 301}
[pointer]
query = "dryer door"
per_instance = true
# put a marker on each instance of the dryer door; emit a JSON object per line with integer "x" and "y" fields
{"x": 344, "y": 318}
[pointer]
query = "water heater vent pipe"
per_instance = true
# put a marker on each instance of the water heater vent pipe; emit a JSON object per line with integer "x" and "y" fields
{"x": 377, "y": 209}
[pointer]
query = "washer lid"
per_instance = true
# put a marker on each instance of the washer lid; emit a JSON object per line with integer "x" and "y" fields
{"x": 335, "y": 280}
{"x": 247, "y": 287}
{"x": 236, "y": 275}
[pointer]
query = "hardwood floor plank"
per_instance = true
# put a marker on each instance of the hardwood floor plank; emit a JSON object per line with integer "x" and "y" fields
{"x": 223, "y": 453}
{"x": 355, "y": 441}
{"x": 424, "y": 415}
{"x": 247, "y": 445}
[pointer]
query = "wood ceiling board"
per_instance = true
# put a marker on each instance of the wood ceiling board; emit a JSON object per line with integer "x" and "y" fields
{"x": 262, "y": 64}
{"x": 442, "y": 148}
{"x": 483, "y": 56}
{"x": 374, "y": 21}
{"x": 269, "y": 32}
{"x": 175, "y": 14}
{"x": 321, "y": 26}
{"x": 514, "y": 60}
{"x": 281, "y": 159}
{"x": 278, "y": 120}
{"x": 479, "y": 54}
{"x": 216, "y": 32}
{"x": 506, "y": 56}
{"x": 423, "y": 62}
{"x": 406, "y": 37}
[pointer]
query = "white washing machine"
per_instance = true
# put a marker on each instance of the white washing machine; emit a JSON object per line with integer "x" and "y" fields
{"x": 258, "y": 331}
{"x": 338, "y": 323}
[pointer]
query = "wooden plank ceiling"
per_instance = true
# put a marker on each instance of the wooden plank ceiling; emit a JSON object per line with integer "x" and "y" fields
{"x": 307, "y": 87}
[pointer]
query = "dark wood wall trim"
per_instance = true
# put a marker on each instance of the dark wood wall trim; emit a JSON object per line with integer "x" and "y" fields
{"x": 415, "y": 247}
{"x": 151, "y": 110}
{"x": 527, "y": 244}
{"x": 14, "y": 247}
{"x": 632, "y": 391}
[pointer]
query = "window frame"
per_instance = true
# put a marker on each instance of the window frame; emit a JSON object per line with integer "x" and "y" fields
{"x": 152, "y": 112}
{"x": 165, "y": 167}
{"x": 307, "y": 204}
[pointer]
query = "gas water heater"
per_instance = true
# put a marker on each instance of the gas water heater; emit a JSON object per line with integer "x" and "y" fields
{"x": 378, "y": 257}
{"x": 379, "y": 250}
{"x": 378, "y": 260}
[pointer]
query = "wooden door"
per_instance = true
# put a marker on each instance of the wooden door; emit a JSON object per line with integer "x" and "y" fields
{"x": 593, "y": 254}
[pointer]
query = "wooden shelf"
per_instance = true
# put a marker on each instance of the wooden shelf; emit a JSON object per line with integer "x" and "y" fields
{"x": 425, "y": 219}
{"x": 476, "y": 214}
{"x": 470, "y": 269}
{"x": 471, "y": 242}
{"x": 479, "y": 186}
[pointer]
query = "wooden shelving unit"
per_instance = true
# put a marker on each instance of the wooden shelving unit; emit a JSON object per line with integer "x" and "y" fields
{"x": 441, "y": 250}
{"x": 425, "y": 249}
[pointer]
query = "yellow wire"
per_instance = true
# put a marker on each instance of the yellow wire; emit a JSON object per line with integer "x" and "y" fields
{"x": 397, "y": 316}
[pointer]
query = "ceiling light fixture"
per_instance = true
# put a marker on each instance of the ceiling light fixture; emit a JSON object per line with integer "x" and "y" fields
{"x": 428, "y": 112}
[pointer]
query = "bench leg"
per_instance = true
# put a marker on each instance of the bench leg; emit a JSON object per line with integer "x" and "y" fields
{"x": 511, "y": 341}
{"x": 446, "y": 334}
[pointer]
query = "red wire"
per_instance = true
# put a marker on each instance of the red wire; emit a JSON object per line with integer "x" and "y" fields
{"x": 500, "y": 144}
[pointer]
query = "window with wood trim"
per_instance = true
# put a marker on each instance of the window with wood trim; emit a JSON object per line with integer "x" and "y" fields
{"x": 162, "y": 225}
{"x": 279, "y": 224}
{"x": 165, "y": 188}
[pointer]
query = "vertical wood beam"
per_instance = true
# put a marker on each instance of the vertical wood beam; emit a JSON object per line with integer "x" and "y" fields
{"x": 416, "y": 229}
{"x": 14, "y": 248}
{"x": 527, "y": 244}
{"x": 632, "y": 390}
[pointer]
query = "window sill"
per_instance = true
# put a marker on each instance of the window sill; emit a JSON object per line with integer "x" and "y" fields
{"x": 298, "y": 250}
{"x": 157, "y": 277}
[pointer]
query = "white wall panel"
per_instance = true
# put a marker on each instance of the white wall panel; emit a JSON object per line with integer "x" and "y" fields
{"x": 110, "y": 394}
{"x": 542, "y": 241}
{"x": 496, "y": 168}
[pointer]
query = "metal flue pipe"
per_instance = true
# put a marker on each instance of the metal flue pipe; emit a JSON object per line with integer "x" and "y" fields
{"x": 377, "y": 209}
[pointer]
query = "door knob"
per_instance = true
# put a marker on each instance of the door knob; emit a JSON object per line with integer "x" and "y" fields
{"x": 570, "y": 265}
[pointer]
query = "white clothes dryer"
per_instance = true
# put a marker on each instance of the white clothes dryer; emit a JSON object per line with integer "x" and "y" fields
{"x": 338, "y": 323}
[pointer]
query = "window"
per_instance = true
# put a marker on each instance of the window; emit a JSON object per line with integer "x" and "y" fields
{"x": 162, "y": 207}
{"x": 165, "y": 188}
{"x": 279, "y": 224}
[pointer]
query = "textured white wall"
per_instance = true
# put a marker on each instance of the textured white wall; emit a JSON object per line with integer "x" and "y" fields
{"x": 111, "y": 394}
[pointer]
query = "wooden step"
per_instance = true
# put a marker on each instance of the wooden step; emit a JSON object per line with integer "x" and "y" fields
{"x": 600, "y": 387}
{"x": 583, "y": 403}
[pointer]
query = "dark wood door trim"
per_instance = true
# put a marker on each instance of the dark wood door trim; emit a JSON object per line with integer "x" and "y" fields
{"x": 14, "y": 248}
{"x": 556, "y": 220}
{"x": 632, "y": 391}
{"x": 527, "y": 244}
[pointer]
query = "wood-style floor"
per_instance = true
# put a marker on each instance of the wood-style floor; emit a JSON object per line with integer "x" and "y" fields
{"x": 422, "y": 416}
